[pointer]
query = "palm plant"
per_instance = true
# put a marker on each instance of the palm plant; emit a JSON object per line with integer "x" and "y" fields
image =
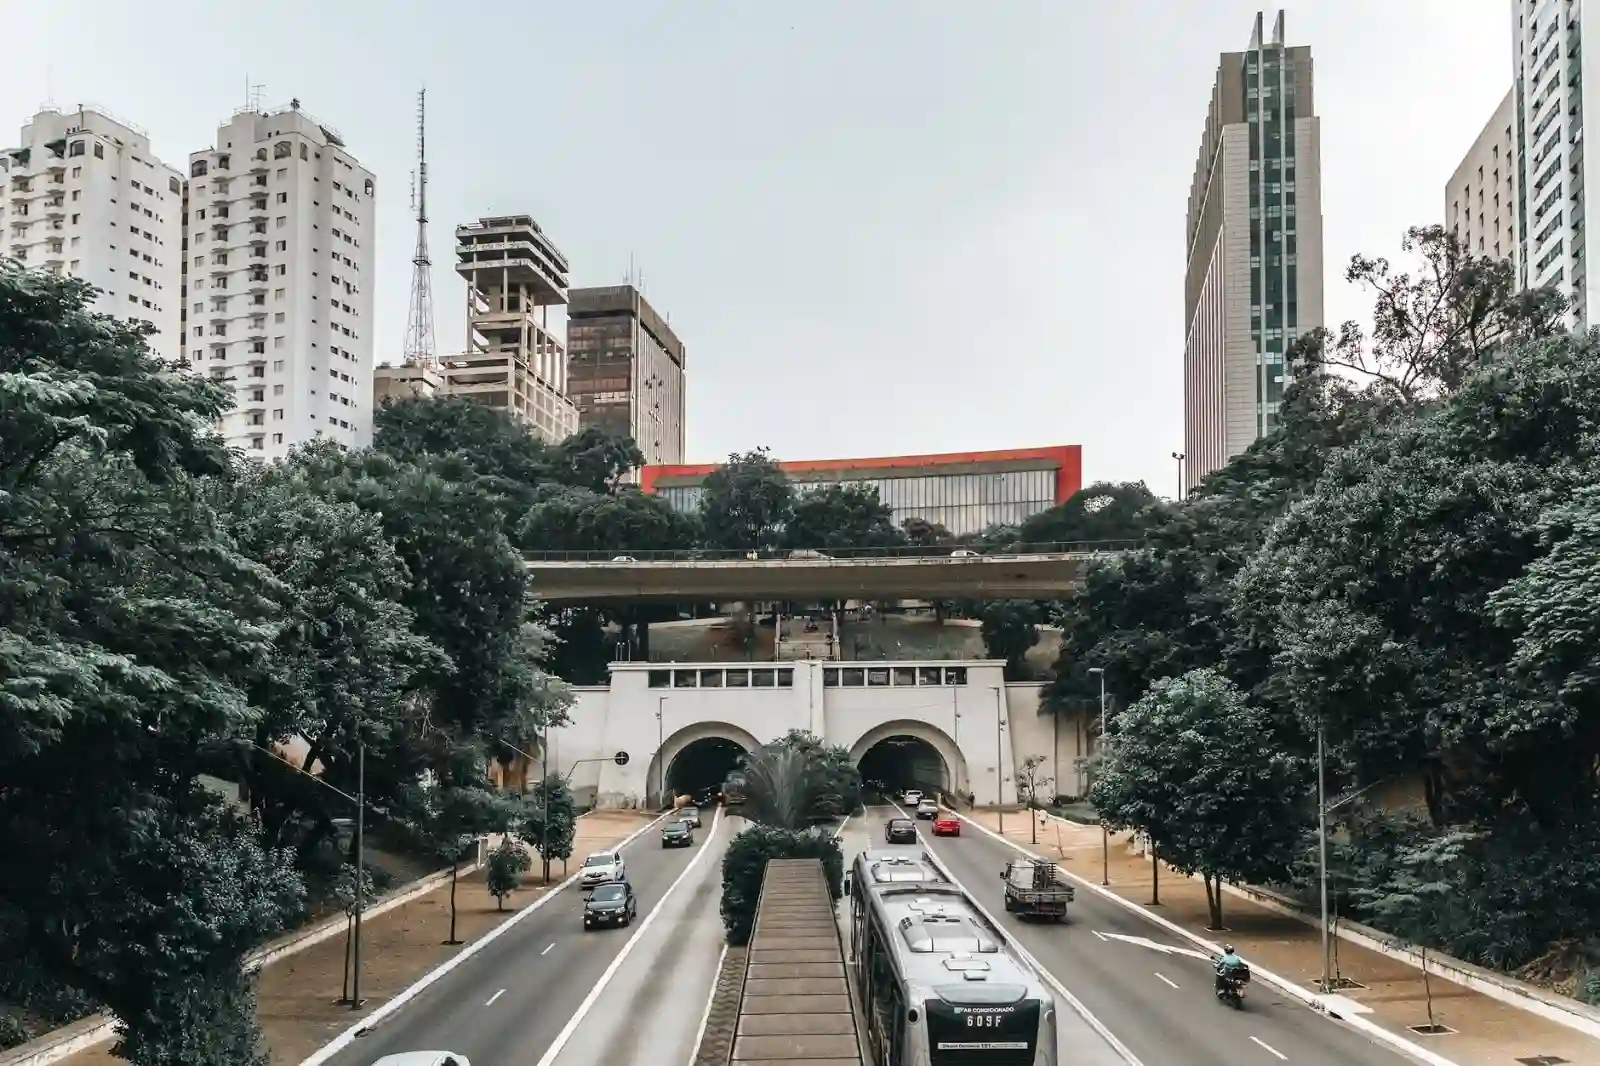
{"x": 778, "y": 787}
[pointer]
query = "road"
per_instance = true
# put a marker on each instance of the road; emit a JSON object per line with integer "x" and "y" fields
{"x": 1152, "y": 990}
{"x": 509, "y": 1004}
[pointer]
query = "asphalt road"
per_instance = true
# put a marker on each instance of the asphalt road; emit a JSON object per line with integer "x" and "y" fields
{"x": 1159, "y": 1003}
{"x": 507, "y": 1005}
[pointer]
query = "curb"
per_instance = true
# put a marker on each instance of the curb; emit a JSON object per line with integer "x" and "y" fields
{"x": 1316, "y": 1002}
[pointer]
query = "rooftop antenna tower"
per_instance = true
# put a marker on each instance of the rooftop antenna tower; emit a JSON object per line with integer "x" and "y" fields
{"x": 419, "y": 348}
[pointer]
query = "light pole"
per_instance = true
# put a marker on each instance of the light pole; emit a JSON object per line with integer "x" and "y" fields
{"x": 1322, "y": 855}
{"x": 999, "y": 780}
{"x": 661, "y": 759}
{"x": 544, "y": 785}
{"x": 1105, "y": 834}
{"x": 1179, "y": 456}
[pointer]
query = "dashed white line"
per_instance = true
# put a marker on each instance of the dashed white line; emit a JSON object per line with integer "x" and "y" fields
{"x": 1270, "y": 1048}
{"x": 494, "y": 997}
{"x": 1101, "y": 935}
{"x": 546, "y": 951}
{"x": 1163, "y": 977}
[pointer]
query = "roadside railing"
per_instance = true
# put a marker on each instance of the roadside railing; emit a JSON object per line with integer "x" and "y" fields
{"x": 953, "y": 553}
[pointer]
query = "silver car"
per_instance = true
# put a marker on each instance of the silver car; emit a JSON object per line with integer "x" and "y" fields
{"x": 424, "y": 1058}
{"x": 602, "y": 868}
{"x": 690, "y": 815}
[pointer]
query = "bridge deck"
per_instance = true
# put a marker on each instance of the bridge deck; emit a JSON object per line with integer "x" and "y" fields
{"x": 796, "y": 1003}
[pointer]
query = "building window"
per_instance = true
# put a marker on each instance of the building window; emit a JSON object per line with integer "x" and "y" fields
{"x": 658, "y": 678}
{"x": 763, "y": 679}
{"x": 711, "y": 679}
{"x": 197, "y": 168}
{"x": 684, "y": 679}
{"x": 878, "y": 677}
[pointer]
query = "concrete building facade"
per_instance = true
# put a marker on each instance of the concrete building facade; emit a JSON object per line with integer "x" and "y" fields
{"x": 406, "y": 381}
{"x": 1552, "y": 90}
{"x": 1481, "y": 198}
{"x": 83, "y": 195}
{"x": 279, "y": 280}
{"x": 625, "y": 370}
{"x": 966, "y": 492}
{"x": 1254, "y": 280}
{"x": 514, "y": 360}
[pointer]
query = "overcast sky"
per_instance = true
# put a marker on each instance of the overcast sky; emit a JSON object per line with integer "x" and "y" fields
{"x": 880, "y": 226}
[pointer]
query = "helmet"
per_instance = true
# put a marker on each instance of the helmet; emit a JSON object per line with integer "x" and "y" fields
{"x": 1227, "y": 949}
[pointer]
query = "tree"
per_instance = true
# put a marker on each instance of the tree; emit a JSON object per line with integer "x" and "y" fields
{"x": 564, "y": 518}
{"x": 836, "y": 517}
{"x": 507, "y": 864}
{"x": 595, "y": 460}
{"x": 1196, "y": 767}
{"x": 922, "y": 533}
{"x": 487, "y": 440}
{"x": 744, "y": 866}
{"x": 1104, "y": 511}
{"x": 1010, "y": 628}
{"x": 552, "y": 835}
{"x": 1032, "y": 781}
{"x": 1432, "y": 330}
{"x": 1407, "y": 904}
{"x": 129, "y": 631}
{"x": 348, "y": 892}
{"x": 832, "y": 783}
{"x": 455, "y": 815}
{"x": 746, "y": 503}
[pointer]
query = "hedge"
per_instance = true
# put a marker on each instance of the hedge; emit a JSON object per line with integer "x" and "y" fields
{"x": 745, "y": 864}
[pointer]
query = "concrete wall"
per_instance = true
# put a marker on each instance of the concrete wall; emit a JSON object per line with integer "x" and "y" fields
{"x": 1063, "y": 740}
{"x": 958, "y": 720}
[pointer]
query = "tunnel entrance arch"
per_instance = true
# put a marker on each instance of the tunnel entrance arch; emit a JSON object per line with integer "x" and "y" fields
{"x": 910, "y": 754}
{"x": 697, "y": 757}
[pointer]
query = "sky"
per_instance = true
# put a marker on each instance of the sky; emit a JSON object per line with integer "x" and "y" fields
{"x": 880, "y": 226}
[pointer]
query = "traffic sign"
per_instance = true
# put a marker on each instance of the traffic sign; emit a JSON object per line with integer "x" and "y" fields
{"x": 620, "y": 758}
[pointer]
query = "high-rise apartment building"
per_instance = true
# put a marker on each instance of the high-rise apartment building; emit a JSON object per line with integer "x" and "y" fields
{"x": 1480, "y": 200}
{"x": 278, "y": 280}
{"x": 84, "y": 196}
{"x": 1254, "y": 246}
{"x": 514, "y": 360}
{"x": 625, "y": 370}
{"x": 1552, "y": 89}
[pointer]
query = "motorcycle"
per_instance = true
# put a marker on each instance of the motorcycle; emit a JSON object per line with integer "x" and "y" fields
{"x": 1230, "y": 986}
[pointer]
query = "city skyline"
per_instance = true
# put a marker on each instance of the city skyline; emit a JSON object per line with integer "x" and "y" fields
{"x": 895, "y": 182}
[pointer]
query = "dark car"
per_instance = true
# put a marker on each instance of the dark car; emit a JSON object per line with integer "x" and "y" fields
{"x": 677, "y": 835}
{"x": 610, "y": 905}
{"x": 900, "y": 831}
{"x": 690, "y": 815}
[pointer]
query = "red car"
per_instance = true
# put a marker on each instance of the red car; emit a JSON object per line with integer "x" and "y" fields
{"x": 947, "y": 825}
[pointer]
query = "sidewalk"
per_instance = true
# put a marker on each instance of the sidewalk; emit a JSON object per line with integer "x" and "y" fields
{"x": 297, "y": 997}
{"x": 1487, "y": 1031}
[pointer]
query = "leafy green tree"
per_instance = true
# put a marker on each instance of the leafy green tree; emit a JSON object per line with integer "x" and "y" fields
{"x": 564, "y": 518}
{"x": 1420, "y": 888}
{"x": 488, "y": 441}
{"x": 744, "y": 865}
{"x": 836, "y": 517}
{"x": 595, "y": 460}
{"x": 832, "y": 784}
{"x": 1197, "y": 768}
{"x": 1010, "y": 628}
{"x": 922, "y": 533}
{"x": 349, "y": 893}
{"x": 1100, "y": 512}
{"x": 129, "y": 631}
{"x": 746, "y": 503}
{"x": 507, "y": 864}
{"x": 551, "y": 834}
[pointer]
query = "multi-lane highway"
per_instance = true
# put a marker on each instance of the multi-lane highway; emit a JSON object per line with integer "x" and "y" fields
{"x": 546, "y": 992}
{"x": 1153, "y": 992}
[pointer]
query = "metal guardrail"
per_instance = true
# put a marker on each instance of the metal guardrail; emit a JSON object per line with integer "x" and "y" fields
{"x": 694, "y": 555}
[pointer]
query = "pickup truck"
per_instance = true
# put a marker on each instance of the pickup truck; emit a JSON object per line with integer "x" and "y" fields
{"x": 1035, "y": 889}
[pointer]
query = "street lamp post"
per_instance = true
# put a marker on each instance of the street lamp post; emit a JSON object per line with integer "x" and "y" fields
{"x": 361, "y": 808}
{"x": 999, "y": 761}
{"x": 661, "y": 761}
{"x": 1105, "y": 834}
{"x": 1179, "y": 457}
{"x": 1322, "y": 855}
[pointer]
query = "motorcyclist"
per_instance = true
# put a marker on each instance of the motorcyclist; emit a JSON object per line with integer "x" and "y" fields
{"x": 1229, "y": 966}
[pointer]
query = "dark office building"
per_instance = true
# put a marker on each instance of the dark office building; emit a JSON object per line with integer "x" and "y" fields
{"x": 625, "y": 369}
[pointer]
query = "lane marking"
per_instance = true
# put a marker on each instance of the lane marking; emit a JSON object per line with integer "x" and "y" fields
{"x": 711, "y": 997}
{"x": 1103, "y": 938}
{"x": 365, "y": 1025}
{"x": 1318, "y": 1003}
{"x": 1027, "y": 956}
{"x": 494, "y": 997}
{"x": 593, "y": 997}
{"x": 839, "y": 832}
{"x": 1146, "y": 942}
{"x": 1270, "y": 1048}
{"x": 1167, "y": 979}
{"x": 546, "y": 951}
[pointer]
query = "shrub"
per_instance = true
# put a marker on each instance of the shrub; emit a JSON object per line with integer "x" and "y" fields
{"x": 745, "y": 864}
{"x": 507, "y": 864}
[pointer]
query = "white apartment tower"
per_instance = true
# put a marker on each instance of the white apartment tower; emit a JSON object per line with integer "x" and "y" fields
{"x": 1480, "y": 200}
{"x": 84, "y": 196}
{"x": 514, "y": 361}
{"x": 279, "y": 280}
{"x": 1553, "y": 88}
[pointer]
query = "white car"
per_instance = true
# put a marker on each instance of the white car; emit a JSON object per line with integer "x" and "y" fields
{"x": 913, "y": 797}
{"x": 424, "y": 1058}
{"x": 601, "y": 868}
{"x": 690, "y": 815}
{"x": 963, "y": 553}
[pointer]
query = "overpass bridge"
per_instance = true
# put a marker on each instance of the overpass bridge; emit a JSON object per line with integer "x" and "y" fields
{"x": 1025, "y": 572}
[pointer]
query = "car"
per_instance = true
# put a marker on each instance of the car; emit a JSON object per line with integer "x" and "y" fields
{"x": 963, "y": 553}
{"x": 690, "y": 815}
{"x": 678, "y": 834}
{"x": 947, "y": 825}
{"x": 900, "y": 831}
{"x": 424, "y": 1058}
{"x": 623, "y": 559}
{"x": 913, "y": 797}
{"x": 610, "y": 905}
{"x": 927, "y": 809}
{"x": 602, "y": 867}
